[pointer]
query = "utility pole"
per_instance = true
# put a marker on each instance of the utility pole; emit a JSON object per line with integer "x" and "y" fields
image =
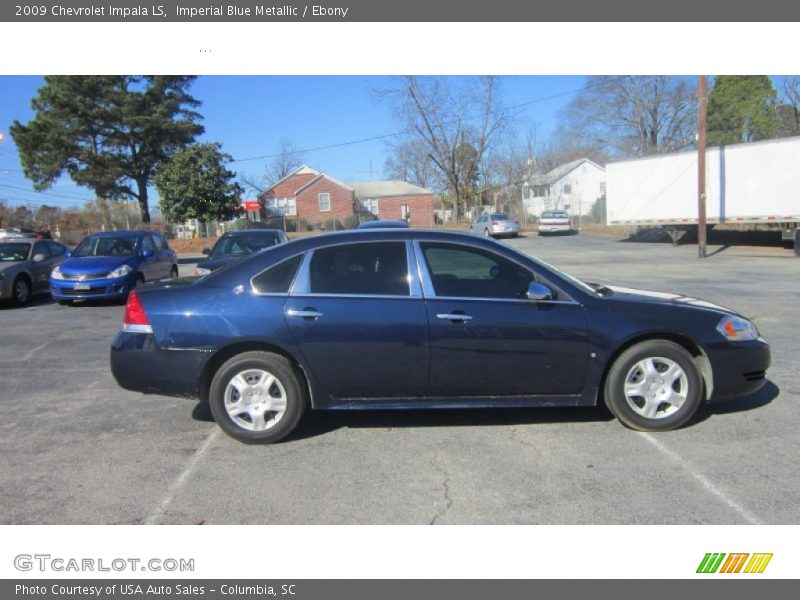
{"x": 702, "y": 97}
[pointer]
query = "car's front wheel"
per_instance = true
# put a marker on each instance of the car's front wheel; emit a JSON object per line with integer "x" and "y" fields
{"x": 257, "y": 397}
{"x": 21, "y": 291}
{"x": 654, "y": 386}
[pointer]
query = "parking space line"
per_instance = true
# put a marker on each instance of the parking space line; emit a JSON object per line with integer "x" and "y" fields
{"x": 176, "y": 486}
{"x": 706, "y": 483}
{"x": 29, "y": 355}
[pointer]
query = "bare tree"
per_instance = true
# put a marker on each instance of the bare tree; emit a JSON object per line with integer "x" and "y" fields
{"x": 409, "y": 161}
{"x": 455, "y": 121}
{"x": 788, "y": 110}
{"x": 286, "y": 159}
{"x": 633, "y": 115}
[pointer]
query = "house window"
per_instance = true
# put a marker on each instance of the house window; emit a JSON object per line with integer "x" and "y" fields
{"x": 602, "y": 187}
{"x": 540, "y": 191}
{"x": 324, "y": 202}
{"x": 279, "y": 207}
{"x": 567, "y": 188}
{"x": 371, "y": 204}
{"x": 405, "y": 212}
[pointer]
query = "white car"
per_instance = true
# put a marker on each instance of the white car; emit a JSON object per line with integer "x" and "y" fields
{"x": 554, "y": 221}
{"x": 495, "y": 225}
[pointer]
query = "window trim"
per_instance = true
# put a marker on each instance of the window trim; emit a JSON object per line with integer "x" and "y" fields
{"x": 319, "y": 201}
{"x": 429, "y": 292}
{"x": 301, "y": 286}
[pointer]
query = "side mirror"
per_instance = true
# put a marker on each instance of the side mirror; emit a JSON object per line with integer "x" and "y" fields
{"x": 68, "y": 254}
{"x": 206, "y": 251}
{"x": 147, "y": 253}
{"x": 38, "y": 257}
{"x": 538, "y": 292}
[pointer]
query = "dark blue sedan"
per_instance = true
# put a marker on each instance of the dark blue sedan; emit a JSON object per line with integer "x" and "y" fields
{"x": 235, "y": 245}
{"x": 425, "y": 319}
{"x": 111, "y": 264}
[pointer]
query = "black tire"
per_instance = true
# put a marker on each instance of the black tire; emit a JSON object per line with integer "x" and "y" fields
{"x": 486, "y": 233}
{"x": 668, "y": 415}
{"x": 21, "y": 291}
{"x": 174, "y": 272}
{"x": 291, "y": 388}
{"x": 139, "y": 280}
{"x": 65, "y": 302}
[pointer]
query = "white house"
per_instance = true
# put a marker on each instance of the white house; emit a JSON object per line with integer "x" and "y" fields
{"x": 574, "y": 187}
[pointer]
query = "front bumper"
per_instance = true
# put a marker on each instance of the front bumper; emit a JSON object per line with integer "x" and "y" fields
{"x": 739, "y": 368}
{"x": 140, "y": 365}
{"x": 71, "y": 289}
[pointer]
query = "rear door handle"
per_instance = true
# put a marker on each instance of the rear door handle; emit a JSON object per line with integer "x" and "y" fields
{"x": 308, "y": 313}
{"x": 453, "y": 317}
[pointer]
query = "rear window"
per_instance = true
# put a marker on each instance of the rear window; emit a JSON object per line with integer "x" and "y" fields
{"x": 277, "y": 279}
{"x": 500, "y": 217}
{"x": 554, "y": 214}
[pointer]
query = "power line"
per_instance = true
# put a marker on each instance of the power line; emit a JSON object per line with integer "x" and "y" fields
{"x": 479, "y": 115}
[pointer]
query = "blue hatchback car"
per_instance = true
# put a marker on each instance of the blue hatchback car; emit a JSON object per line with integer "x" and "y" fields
{"x": 111, "y": 264}
{"x": 409, "y": 318}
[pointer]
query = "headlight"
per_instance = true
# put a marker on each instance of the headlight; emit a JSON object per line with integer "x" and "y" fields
{"x": 56, "y": 273}
{"x": 201, "y": 271}
{"x": 737, "y": 329}
{"x": 119, "y": 272}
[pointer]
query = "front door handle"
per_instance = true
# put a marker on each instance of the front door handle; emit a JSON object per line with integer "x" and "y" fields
{"x": 308, "y": 313}
{"x": 455, "y": 317}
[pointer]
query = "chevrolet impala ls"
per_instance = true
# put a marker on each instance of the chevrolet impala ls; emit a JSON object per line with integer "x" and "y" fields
{"x": 409, "y": 318}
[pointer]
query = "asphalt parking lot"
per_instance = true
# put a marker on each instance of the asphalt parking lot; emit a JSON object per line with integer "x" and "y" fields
{"x": 75, "y": 448}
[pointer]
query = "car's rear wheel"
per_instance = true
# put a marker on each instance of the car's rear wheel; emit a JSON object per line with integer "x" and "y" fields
{"x": 174, "y": 272}
{"x": 487, "y": 233}
{"x": 654, "y": 386}
{"x": 21, "y": 291}
{"x": 257, "y": 397}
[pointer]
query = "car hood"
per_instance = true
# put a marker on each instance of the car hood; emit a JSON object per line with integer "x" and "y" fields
{"x": 95, "y": 264}
{"x": 623, "y": 293}
{"x": 217, "y": 262}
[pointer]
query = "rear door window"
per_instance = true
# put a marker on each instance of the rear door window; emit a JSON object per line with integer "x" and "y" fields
{"x": 278, "y": 278}
{"x": 376, "y": 269}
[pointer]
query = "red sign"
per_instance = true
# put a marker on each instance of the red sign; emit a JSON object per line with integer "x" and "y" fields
{"x": 250, "y": 205}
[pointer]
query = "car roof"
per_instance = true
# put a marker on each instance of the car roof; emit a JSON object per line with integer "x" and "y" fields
{"x": 251, "y": 232}
{"x": 18, "y": 240}
{"x": 125, "y": 233}
{"x": 383, "y": 224}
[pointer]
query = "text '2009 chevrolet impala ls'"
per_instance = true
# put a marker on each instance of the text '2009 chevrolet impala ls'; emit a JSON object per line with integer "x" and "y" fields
{"x": 425, "y": 319}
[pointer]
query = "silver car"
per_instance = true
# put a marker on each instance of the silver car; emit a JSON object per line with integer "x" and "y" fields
{"x": 25, "y": 265}
{"x": 554, "y": 221}
{"x": 495, "y": 225}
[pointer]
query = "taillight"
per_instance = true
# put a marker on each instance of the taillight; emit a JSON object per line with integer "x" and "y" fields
{"x": 495, "y": 223}
{"x": 135, "y": 318}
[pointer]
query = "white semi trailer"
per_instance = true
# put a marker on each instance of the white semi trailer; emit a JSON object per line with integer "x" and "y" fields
{"x": 750, "y": 183}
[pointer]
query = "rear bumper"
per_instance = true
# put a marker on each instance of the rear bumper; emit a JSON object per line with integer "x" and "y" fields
{"x": 140, "y": 365}
{"x": 554, "y": 228}
{"x": 739, "y": 368}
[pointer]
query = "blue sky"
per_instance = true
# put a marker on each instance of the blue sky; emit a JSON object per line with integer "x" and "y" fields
{"x": 249, "y": 115}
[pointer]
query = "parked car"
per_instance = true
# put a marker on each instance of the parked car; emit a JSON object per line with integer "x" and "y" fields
{"x": 383, "y": 225}
{"x": 16, "y": 232}
{"x": 495, "y": 225}
{"x": 425, "y": 319}
{"x": 25, "y": 265}
{"x": 111, "y": 264}
{"x": 554, "y": 221}
{"x": 237, "y": 244}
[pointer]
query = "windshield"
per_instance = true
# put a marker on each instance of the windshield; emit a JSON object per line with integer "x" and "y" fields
{"x": 240, "y": 245}
{"x": 499, "y": 217}
{"x": 107, "y": 246}
{"x": 14, "y": 252}
{"x": 555, "y": 214}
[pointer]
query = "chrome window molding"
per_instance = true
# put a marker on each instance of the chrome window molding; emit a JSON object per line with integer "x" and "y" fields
{"x": 302, "y": 282}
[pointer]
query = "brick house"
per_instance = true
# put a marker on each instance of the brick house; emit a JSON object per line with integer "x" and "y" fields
{"x": 316, "y": 197}
{"x": 396, "y": 201}
{"x": 310, "y": 195}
